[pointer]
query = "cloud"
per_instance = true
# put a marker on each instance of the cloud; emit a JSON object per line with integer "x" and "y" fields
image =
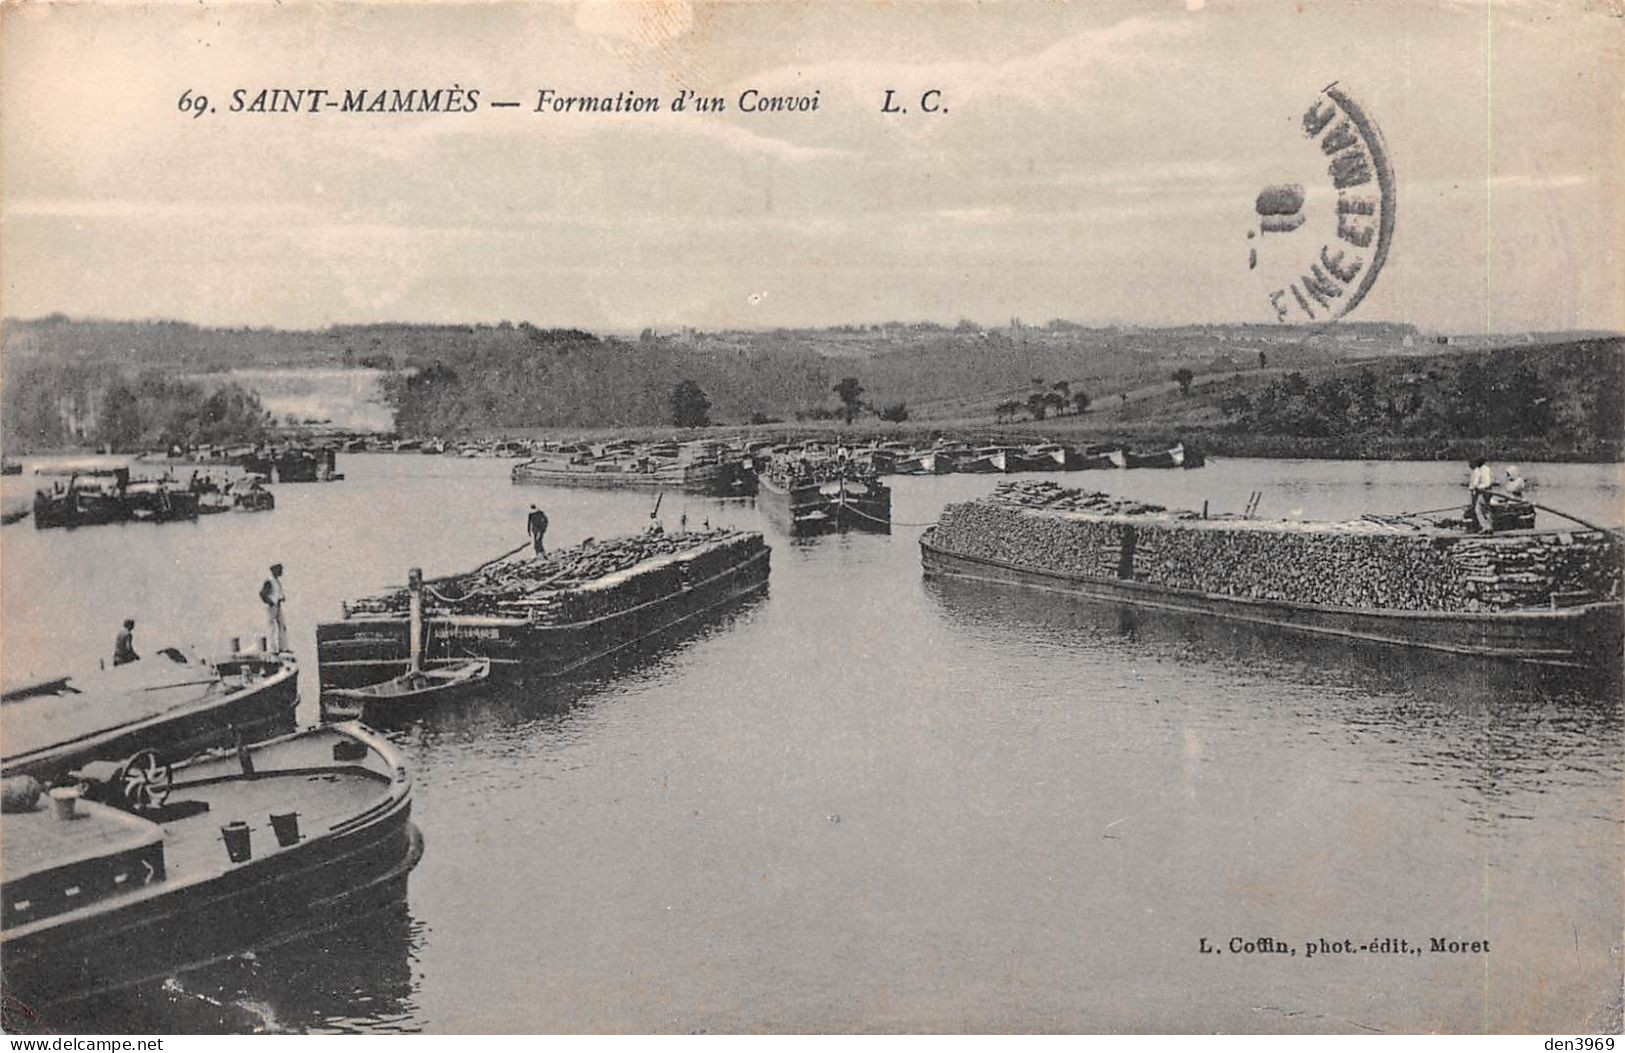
{"x": 1064, "y": 73}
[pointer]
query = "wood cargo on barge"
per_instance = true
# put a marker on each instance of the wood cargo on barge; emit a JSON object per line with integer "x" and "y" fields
{"x": 1550, "y": 597}
{"x": 807, "y": 494}
{"x": 546, "y": 616}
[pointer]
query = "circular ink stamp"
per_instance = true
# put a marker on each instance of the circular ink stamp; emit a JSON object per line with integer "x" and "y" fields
{"x": 1322, "y": 233}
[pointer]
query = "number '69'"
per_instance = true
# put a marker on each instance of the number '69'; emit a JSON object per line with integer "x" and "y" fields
{"x": 196, "y": 105}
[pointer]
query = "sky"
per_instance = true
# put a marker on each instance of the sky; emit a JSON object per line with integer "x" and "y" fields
{"x": 1097, "y": 162}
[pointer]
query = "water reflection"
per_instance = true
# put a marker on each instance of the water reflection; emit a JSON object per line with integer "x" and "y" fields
{"x": 1125, "y": 630}
{"x": 1501, "y": 732}
{"x": 522, "y": 703}
{"x": 355, "y": 977}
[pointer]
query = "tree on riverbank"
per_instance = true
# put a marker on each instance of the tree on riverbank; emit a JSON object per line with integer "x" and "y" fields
{"x": 850, "y": 393}
{"x": 690, "y": 408}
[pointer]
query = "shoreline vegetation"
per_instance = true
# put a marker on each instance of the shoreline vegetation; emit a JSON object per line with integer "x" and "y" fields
{"x": 1361, "y": 391}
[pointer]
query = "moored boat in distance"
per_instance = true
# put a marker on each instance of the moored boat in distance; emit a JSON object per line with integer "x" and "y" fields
{"x": 694, "y": 467}
{"x": 1548, "y": 597}
{"x": 547, "y": 616}
{"x": 167, "y": 702}
{"x": 1172, "y": 457}
{"x": 130, "y": 872}
{"x": 94, "y": 491}
{"x": 153, "y": 500}
{"x": 810, "y": 492}
{"x": 1097, "y": 456}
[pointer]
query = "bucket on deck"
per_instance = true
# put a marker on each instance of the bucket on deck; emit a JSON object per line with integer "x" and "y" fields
{"x": 239, "y": 841}
{"x": 65, "y": 799}
{"x": 349, "y": 750}
{"x": 286, "y": 827}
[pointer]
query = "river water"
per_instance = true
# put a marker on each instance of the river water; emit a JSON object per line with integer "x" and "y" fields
{"x": 870, "y": 802}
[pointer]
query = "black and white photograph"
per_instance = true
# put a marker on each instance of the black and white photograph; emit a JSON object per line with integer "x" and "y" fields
{"x": 770, "y": 517}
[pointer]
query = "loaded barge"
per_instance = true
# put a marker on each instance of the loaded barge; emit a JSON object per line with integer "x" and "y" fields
{"x": 805, "y": 495}
{"x": 694, "y": 467}
{"x": 1547, "y": 597}
{"x": 545, "y": 616}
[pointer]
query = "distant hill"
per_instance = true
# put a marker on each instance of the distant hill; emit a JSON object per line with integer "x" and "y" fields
{"x": 779, "y": 373}
{"x": 1563, "y": 401}
{"x": 451, "y": 380}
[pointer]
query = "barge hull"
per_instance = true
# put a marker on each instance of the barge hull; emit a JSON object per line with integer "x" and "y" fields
{"x": 807, "y": 511}
{"x": 1586, "y": 637}
{"x": 362, "y": 651}
{"x": 179, "y": 931}
{"x": 713, "y": 480}
{"x": 255, "y": 713}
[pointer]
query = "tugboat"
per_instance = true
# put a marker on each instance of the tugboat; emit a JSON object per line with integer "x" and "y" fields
{"x": 168, "y": 702}
{"x": 129, "y": 871}
{"x": 811, "y": 492}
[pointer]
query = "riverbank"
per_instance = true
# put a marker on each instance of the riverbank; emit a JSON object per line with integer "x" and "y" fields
{"x": 1221, "y": 442}
{"x": 1085, "y": 429}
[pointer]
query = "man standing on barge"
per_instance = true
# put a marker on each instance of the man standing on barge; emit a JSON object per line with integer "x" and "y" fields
{"x": 1479, "y": 485}
{"x": 271, "y": 594}
{"x": 536, "y": 523}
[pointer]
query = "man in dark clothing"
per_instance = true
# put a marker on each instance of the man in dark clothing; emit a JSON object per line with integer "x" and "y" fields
{"x": 124, "y": 646}
{"x": 537, "y": 524}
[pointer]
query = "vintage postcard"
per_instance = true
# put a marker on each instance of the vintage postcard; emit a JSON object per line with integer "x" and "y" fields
{"x": 672, "y": 516}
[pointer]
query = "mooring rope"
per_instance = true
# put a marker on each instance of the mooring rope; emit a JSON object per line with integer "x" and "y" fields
{"x": 449, "y": 600}
{"x": 876, "y": 519}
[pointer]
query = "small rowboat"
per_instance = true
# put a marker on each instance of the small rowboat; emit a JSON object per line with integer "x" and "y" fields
{"x": 414, "y": 685}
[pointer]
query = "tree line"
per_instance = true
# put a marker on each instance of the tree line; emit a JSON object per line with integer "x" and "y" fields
{"x": 1575, "y": 400}
{"x": 691, "y": 406}
{"x": 55, "y": 405}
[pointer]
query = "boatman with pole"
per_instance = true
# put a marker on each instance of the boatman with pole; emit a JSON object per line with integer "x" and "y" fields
{"x": 1479, "y": 485}
{"x": 271, "y": 594}
{"x": 536, "y": 523}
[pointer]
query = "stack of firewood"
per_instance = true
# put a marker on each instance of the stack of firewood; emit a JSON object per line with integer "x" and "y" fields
{"x": 1539, "y": 570}
{"x": 594, "y": 577}
{"x": 1362, "y": 564}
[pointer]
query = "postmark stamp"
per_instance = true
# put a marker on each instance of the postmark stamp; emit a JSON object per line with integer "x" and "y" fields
{"x": 1323, "y": 233}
